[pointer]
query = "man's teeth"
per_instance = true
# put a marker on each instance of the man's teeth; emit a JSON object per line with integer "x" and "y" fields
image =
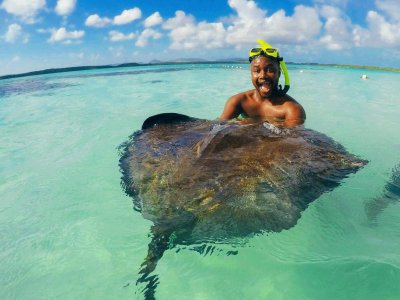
{"x": 265, "y": 85}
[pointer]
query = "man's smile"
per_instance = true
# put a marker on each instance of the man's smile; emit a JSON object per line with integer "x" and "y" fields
{"x": 265, "y": 86}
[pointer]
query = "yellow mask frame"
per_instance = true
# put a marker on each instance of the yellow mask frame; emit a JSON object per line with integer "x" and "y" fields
{"x": 269, "y": 51}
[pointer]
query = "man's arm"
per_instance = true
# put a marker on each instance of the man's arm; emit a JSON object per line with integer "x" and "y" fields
{"x": 232, "y": 107}
{"x": 295, "y": 115}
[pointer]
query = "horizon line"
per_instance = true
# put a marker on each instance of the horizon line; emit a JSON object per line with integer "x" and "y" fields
{"x": 176, "y": 62}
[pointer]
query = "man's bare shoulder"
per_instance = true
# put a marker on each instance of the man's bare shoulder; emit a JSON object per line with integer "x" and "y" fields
{"x": 238, "y": 98}
{"x": 289, "y": 102}
{"x": 234, "y": 106}
{"x": 295, "y": 112}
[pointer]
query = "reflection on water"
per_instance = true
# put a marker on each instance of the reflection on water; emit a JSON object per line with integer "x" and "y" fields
{"x": 30, "y": 85}
{"x": 18, "y": 87}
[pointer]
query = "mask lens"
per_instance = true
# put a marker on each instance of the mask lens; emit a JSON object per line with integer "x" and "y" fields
{"x": 255, "y": 51}
{"x": 270, "y": 50}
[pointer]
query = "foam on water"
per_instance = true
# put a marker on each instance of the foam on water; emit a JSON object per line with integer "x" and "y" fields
{"x": 68, "y": 231}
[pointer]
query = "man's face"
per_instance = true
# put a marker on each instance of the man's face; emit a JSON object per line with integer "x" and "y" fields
{"x": 265, "y": 75}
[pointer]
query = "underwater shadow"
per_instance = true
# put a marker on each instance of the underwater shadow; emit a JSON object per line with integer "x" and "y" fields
{"x": 390, "y": 195}
{"x": 20, "y": 87}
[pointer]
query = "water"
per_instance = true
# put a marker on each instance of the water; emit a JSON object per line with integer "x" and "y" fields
{"x": 68, "y": 231}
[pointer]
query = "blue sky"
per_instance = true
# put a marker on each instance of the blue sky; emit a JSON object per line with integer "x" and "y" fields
{"x": 40, "y": 34}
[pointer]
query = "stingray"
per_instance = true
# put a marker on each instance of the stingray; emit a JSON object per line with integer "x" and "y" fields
{"x": 202, "y": 181}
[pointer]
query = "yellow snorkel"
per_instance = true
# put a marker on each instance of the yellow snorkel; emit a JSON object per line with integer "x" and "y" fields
{"x": 267, "y": 50}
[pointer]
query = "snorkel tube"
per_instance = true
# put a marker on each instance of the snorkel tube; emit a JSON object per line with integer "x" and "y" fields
{"x": 287, "y": 81}
{"x": 274, "y": 53}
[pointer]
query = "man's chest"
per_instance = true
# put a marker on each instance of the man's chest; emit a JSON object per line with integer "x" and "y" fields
{"x": 264, "y": 110}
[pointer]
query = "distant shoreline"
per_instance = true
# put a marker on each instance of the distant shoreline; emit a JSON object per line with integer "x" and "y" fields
{"x": 84, "y": 68}
{"x": 397, "y": 70}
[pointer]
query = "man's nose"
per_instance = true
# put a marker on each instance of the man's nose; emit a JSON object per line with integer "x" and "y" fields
{"x": 263, "y": 74}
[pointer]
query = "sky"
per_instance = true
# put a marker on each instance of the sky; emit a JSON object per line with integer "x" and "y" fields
{"x": 42, "y": 34}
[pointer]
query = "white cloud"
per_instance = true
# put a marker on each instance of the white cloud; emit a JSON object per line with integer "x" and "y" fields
{"x": 127, "y": 16}
{"x": 116, "y": 36}
{"x": 253, "y": 23}
{"x": 24, "y": 9}
{"x": 42, "y": 30}
{"x": 338, "y": 29}
{"x": 328, "y": 11}
{"x": 147, "y": 34}
{"x": 117, "y": 52}
{"x": 303, "y": 25}
{"x": 180, "y": 19}
{"x": 390, "y": 8}
{"x": 95, "y": 57}
{"x": 380, "y": 33}
{"x": 75, "y": 56}
{"x": 340, "y": 33}
{"x": 15, "y": 33}
{"x": 16, "y": 58}
{"x": 96, "y": 21}
{"x": 246, "y": 26}
{"x": 308, "y": 27}
{"x": 247, "y": 11}
{"x": 186, "y": 34}
{"x": 153, "y": 20}
{"x": 62, "y": 35}
{"x": 65, "y": 7}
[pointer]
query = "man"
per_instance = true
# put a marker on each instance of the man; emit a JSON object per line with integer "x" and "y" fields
{"x": 267, "y": 102}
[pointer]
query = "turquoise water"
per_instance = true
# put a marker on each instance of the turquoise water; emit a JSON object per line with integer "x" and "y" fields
{"x": 68, "y": 231}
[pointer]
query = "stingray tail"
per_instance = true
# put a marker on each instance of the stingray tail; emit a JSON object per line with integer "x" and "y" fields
{"x": 391, "y": 195}
{"x": 159, "y": 243}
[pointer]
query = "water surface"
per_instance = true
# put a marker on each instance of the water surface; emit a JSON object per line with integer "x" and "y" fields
{"x": 68, "y": 231}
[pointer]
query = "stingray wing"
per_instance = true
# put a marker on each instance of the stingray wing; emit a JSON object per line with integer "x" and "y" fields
{"x": 228, "y": 179}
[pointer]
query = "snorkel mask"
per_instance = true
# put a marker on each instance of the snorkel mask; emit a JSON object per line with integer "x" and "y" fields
{"x": 267, "y": 50}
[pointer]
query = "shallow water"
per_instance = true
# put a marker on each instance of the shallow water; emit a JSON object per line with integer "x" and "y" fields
{"x": 68, "y": 231}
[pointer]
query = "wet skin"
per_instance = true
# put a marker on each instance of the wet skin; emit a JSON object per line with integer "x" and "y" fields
{"x": 264, "y": 104}
{"x": 264, "y": 76}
